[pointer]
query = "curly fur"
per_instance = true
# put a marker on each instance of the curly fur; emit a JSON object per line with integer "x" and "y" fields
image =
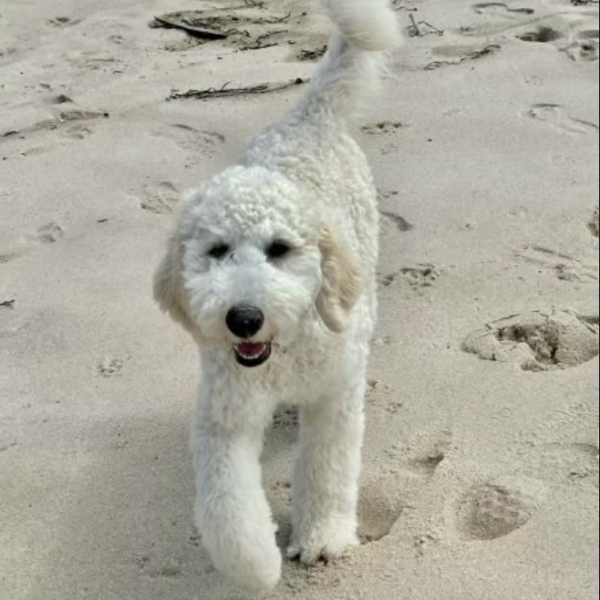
{"x": 305, "y": 181}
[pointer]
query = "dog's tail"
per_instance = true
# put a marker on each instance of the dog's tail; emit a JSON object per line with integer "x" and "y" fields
{"x": 351, "y": 70}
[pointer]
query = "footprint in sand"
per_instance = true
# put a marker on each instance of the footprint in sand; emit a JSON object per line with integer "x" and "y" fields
{"x": 569, "y": 30}
{"x": 381, "y": 341}
{"x": 383, "y": 127}
{"x": 60, "y": 99}
{"x": 499, "y": 8}
{"x": 6, "y": 52}
{"x": 584, "y": 47}
{"x": 557, "y": 116}
{"x": 537, "y": 341}
{"x": 72, "y": 123}
{"x": 47, "y": 234}
{"x": 160, "y": 200}
{"x": 109, "y": 367}
{"x": 312, "y": 54}
{"x": 497, "y": 18}
{"x": 148, "y": 567}
{"x": 190, "y": 138}
{"x": 61, "y": 22}
{"x": 393, "y": 222}
{"x": 497, "y": 508}
{"x": 423, "y": 457}
{"x": 4, "y": 446}
{"x": 7, "y": 256}
{"x": 379, "y": 395}
{"x": 77, "y": 132}
{"x": 427, "y": 464}
{"x": 562, "y": 266}
{"x": 593, "y": 223}
{"x": 94, "y": 61}
{"x": 414, "y": 277}
{"x": 564, "y": 448}
{"x": 379, "y": 508}
{"x": 541, "y": 35}
{"x": 50, "y": 233}
{"x": 72, "y": 115}
{"x": 573, "y": 462}
{"x": 385, "y": 194}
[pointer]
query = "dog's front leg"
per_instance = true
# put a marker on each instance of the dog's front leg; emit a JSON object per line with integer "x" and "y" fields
{"x": 232, "y": 512}
{"x": 325, "y": 487}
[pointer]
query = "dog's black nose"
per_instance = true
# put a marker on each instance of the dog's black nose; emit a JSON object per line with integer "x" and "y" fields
{"x": 244, "y": 321}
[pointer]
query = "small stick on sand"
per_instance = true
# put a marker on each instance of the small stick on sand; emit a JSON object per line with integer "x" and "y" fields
{"x": 224, "y": 91}
{"x": 433, "y": 28}
{"x": 416, "y": 30}
{"x": 261, "y": 41}
{"x": 276, "y": 20}
{"x": 397, "y": 6}
{"x": 471, "y": 56}
{"x": 311, "y": 54}
{"x": 191, "y": 29}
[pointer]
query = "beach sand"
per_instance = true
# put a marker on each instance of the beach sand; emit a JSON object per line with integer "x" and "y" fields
{"x": 480, "y": 478}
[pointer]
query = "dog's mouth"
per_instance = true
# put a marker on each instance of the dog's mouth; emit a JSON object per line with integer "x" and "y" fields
{"x": 252, "y": 354}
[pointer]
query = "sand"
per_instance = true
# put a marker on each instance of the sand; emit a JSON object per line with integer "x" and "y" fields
{"x": 480, "y": 477}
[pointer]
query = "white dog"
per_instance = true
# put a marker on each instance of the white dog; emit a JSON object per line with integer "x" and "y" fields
{"x": 272, "y": 270}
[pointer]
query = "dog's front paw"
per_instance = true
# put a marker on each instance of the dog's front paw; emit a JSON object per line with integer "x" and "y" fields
{"x": 324, "y": 540}
{"x": 251, "y": 559}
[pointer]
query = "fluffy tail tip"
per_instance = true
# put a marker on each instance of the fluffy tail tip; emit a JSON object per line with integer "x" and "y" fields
{"x": 370, "y": 25}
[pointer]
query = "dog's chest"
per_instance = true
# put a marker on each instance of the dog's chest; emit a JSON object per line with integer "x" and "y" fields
{"x": 299, "y": 377}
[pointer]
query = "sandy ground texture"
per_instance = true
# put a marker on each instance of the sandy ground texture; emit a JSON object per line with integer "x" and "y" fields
{"x": 480, "y": 473}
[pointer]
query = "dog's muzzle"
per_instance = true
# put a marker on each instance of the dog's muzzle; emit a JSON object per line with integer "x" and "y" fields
{"x": 244, "y": 322}
{"x": 252, "y": 354}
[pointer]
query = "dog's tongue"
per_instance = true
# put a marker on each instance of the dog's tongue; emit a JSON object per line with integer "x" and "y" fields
{"x": 250, "y": 349}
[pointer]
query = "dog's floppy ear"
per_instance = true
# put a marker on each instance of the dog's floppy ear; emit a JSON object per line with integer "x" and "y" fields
{"x": 342, "y": 282}
{"x": 168, "y": 283}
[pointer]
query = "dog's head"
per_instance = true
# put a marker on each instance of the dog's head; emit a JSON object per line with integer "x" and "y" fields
{"x": 246, "y": 267}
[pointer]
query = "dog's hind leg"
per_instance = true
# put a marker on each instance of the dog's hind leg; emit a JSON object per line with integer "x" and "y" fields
{"x": 325, "y": 487}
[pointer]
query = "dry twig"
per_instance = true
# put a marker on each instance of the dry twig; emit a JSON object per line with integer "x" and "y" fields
{"x": 172, "y": 23}
{"x": 225, "y": 92}
{"x": 491, "y": 49}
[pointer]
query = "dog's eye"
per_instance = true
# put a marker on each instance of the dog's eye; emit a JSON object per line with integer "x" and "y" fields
{"x": 218, "y": 251}
{"x": 278, "y": 249}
